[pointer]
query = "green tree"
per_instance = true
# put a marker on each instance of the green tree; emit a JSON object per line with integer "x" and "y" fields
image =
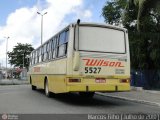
{"x": 142, "y": 19}
{"x": 18, "y": 57}
{"x": 112, "y": 11}
{"x": 145, "y": 7}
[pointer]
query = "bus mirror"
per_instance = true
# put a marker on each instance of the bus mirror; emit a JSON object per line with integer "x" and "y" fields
{"x": 76, "y": 61}
{"x": 78, "y": 21}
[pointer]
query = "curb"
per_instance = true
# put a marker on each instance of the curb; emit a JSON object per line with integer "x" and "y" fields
{"x": 153, "y": 92}
{"x": 136, "y": 88}
{"x": 129, "y": 99}
{"x": 13, "y": 82}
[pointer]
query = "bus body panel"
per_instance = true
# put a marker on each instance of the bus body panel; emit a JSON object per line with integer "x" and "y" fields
{"x": 37, "y": 73}
{"x": 113, "y": 68}
{"x": 54, "y": 71}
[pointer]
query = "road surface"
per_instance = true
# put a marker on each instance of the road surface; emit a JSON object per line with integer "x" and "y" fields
{"x": 20, "y": 99}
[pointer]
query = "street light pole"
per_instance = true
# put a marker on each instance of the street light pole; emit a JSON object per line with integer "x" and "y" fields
{"x": 23, "y": 59}
{"x": 41, "y": 25}
{"x": 6, "y": 52}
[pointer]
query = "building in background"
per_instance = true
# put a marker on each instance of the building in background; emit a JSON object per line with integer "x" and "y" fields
{"x": 23, "y": 74}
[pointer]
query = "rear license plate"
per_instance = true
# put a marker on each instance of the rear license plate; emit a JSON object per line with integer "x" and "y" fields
{"x": 100, "y": 80}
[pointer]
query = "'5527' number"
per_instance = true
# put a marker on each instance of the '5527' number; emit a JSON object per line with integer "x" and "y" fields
{"x": 95, "y": 70}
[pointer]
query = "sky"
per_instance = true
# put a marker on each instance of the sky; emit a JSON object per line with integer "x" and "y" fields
{"x": 20, "y": 22}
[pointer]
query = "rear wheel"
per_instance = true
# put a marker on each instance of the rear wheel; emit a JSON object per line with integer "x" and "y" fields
{"x": 87, "y": 94}
{"x": 33, "y": 87}
{"x": 47, "y": 92}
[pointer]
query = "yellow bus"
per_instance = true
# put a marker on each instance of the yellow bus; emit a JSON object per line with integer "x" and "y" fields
{"x": 84, "y": 58}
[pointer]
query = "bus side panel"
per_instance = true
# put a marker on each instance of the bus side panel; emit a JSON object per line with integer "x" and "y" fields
{"x": 57, "y": 83}
{"x": 37, "y": 74}
{"x": 56, "y": 74}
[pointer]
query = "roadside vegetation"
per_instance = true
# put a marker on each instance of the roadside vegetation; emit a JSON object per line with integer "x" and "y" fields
{"x": 142, "y": 19}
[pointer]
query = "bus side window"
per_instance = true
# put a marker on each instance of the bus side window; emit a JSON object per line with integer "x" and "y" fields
{"x": 47, "y": 51}
{"x": 39, "y": 55}
{"x": 44, "y": 52}
{"x": 62, "y": 44}
{"x": 66, "y": 44}
{"x": 50, "y": 50}
{"x": 54, "y": 47}
{"x": 30, "y": 60}
{"x": 35, "y": 56}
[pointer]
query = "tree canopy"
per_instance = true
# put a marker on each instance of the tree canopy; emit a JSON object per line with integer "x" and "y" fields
{"x": 18, "y": 57}
{"x": 145, "y": 39}
{"x": 142, "y": 19}
{"x": 145, "y": 8}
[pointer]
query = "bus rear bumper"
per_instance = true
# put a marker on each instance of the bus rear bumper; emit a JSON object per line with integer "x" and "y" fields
{"x": 98, "y": 88}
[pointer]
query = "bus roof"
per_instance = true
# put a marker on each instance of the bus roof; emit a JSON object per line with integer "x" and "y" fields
{"x": 100, "y": 24}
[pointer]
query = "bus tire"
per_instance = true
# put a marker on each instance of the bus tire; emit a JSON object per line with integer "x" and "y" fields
{"x": 33, "y": 87}
{"x": 87, "y": 94}
{"x": 46, "y": 88}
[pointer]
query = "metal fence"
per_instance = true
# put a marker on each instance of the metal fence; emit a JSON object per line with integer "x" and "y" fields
{"x": 148, "y": 79}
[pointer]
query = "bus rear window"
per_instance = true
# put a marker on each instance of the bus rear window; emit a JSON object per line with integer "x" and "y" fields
{"x": 101, "y": 39}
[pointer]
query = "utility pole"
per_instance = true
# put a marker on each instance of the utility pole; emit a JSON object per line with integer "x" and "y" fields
{"x": 41, "y": 25}
{"x": 23, "y": 60}
{"x": 6, "y": 53}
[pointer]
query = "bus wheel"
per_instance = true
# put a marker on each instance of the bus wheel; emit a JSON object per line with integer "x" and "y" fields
{"x": 34, "y": 87}
{"x": 48, "y": 94}
{"x": 87, "y": 94}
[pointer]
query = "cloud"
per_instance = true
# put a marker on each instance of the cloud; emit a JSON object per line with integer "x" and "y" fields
{"x": 87, "y": 14}
{"x": 24, "y": 24}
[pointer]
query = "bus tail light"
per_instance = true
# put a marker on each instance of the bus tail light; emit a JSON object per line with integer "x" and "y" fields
{"x": 124, "y": 80}
{"x": 74, "y": 80}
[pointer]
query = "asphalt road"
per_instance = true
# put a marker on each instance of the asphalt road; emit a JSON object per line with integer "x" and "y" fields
{"x": 20, "y": 99}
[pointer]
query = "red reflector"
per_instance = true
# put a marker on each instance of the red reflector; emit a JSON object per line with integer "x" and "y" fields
{"x": 100, "y": 80}
{"x": 124, "y": 81}
{"x": 74, "y": 80}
